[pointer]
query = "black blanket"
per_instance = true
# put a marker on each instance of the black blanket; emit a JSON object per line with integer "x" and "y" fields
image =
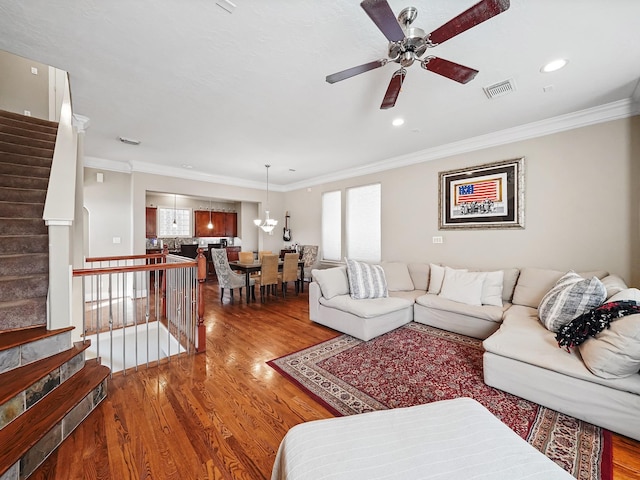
{"x": 593, "y": 322}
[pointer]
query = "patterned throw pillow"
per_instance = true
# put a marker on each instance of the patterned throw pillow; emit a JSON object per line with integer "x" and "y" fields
{"x": 571, "y": 296}
{"x": 365, "y": 280}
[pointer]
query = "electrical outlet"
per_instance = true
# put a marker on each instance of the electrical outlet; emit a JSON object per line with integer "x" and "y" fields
{"x": 116, "y": 240}
{"x": 436, "y": 239}
{"x": 27, "y": 113}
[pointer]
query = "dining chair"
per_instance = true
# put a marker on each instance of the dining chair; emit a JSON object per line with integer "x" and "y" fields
{"x": 227, "y": 278}
{"x": 245, "y": 257}
{"x": 263, "y": 252}
{"x": 310, "y": 259}
{"x": 290, "y": 272}
{"x": 268, "y": 279}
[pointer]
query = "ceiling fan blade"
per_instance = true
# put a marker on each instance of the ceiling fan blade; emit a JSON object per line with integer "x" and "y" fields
{"x": 353, "y": 71}
{"x": 380, "y": 12}
{"x": 393, "y": 89}
{"x": 475, "y": 15}
{"x": 446, "y": 68}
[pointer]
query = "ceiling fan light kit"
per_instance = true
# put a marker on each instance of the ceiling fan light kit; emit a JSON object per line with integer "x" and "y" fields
{"x": 408, "y": 44}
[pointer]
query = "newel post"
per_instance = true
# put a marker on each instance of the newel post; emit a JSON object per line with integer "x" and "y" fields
{"x": 163, "y": 284}
{"x": 201, "y": 343}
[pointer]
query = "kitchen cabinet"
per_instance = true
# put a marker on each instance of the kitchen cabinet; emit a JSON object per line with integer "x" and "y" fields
{"x": 151, "y": 222}
{"x": 232, "y": 253}
{"x": 225, "y": 224}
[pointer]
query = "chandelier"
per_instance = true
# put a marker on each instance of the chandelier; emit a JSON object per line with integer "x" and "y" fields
{"x": 268, "y": 224}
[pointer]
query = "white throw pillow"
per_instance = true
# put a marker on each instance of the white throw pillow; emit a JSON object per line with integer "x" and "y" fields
{"x": 397, "y": 276}
{"x": 614, "y": 284}
{"x": 436, "y": 276}
{"x": 332, "y": 281}
{"x": 569, "y": 298}
{"x": 366, "y": 280}
{"x": 492, "y": 288}
{"x": 463, "y": 287}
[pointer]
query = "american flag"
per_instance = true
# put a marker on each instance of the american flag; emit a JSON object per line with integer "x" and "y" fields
{"x": 477, "y": 192}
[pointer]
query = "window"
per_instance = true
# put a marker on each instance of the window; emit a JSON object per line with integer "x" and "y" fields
{"x": 166, "y": 227}
{"x": 363, "y": 223}
{"x": 332, "y": 226}
{"x": 362, "y": 230}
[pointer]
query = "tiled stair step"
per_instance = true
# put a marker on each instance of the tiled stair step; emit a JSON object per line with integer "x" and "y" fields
{"x": 21, "y": 210}
{"x": 34, "y": 381}
{"x": 30, "y": 312}
{"x": 24, "y": 263}
{"x": 14, "y": 244}
{"x": 25, "y": 150}
{"x": 59, "y": 338}
{"x": 25, "y": 160}
{"x": 25, "y": 195}
{"x": 26, "y": 141}
{"x": 51, "y": 420}
{"x": 31, "y": 121}
{"x": 19, "y": 287}
{"x": 22, "y": 170}
{"x": 16, "y": 129}
{"x": 18, "y": 226}
{"x": 16, "y": 181}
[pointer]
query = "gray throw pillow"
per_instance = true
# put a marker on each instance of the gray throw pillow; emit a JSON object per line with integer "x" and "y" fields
{"x": 570, "y": 297}
{"x": 365, "y": 280}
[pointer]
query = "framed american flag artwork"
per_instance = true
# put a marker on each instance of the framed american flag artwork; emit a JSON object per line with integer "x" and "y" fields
{"x": 486, "y": 196}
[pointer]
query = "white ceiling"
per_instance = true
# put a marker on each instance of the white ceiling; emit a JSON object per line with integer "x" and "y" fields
{"x": 227, "y": 93}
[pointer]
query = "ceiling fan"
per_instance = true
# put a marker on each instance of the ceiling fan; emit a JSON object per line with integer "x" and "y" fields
{"x": 407, "y": 44}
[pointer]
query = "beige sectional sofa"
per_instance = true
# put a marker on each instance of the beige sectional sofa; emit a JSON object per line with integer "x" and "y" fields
{"x": 521, "y": 355}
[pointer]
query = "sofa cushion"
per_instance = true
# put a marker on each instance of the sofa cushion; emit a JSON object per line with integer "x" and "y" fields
{"x": 366, "y": 308}
{"x": 509, "y": 283}
{"x": 522, "y": 337}
{"x": 419, "y": 275}
{"x": 569, "y": 298}
{"x": 366, "y": 280}
{"x": 463, "y": 287}
{"x": 397, "y": 276}
{"x": 533, "y": 284}
{"x": 614, "y": 284}
{"x": 492, "y": 288}
{"x": 483, "y": 312}
{"x": 436, "y": 277}
{"x": 615, "y": 351}
{"x": 332, "y": 281}
{"x": 411, "y": 295}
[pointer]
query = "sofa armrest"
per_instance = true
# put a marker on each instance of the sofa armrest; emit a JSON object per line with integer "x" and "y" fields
{"x": 314, "y": 301}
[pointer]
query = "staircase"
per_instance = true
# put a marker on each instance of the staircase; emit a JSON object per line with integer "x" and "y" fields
{"x": 47, "y": 387}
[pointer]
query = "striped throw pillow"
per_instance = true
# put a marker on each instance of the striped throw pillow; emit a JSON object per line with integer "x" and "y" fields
{"x": 365, "y": 280}
{"x": 570, "y": 297}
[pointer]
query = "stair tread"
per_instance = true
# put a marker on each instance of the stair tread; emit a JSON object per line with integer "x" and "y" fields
{"x": 15, "y": 338}
{"x": 26, "y": 430}
{"x": 19, "y": 379}
{"x": 28, "y": 120}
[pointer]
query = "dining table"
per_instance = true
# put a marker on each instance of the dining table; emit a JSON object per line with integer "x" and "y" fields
{"x": 249, "y": 268}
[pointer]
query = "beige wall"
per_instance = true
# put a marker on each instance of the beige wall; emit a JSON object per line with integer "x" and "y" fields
{"x": 21, "y": 90}
{"x": 581, "y": 206}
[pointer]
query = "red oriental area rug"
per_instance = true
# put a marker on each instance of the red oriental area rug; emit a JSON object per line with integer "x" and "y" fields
{"x": 418, "y": 364}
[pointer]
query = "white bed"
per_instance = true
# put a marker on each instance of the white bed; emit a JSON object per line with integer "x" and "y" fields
{"x": 452, "y": 439}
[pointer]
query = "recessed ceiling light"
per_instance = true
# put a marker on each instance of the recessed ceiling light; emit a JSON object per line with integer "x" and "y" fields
{"x": 554, "y": 65}
{"x": 397, "y": 122}
{"x": 129, "y": 141}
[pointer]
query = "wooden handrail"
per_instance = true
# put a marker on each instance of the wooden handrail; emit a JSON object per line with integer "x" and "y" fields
{"x": 124, "y": 257}
{"x": 81, "y": 272}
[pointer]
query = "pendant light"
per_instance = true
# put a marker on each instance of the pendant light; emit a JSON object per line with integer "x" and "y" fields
{"x": 210, "y": 225}
{"x": 268, "y": 224}
{"x": 175, "y": 224}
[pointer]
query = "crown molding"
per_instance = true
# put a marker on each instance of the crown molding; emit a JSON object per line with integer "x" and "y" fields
{"x": 603, "y": 113}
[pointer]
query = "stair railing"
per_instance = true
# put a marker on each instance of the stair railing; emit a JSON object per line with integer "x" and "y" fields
{"x": 140, "y": 309}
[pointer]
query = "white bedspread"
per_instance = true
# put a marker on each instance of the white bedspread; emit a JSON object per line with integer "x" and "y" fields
{"x": 452, "y": 439}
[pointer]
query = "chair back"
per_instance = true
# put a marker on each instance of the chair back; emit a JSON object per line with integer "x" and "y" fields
{"x": 245, "y": 257}
{"x": 309, "y": 254}
{"x": 221, "y": 264}
{"x": 263, "y": 252}
{"x": 269, "y": 270}
{"x": 290, "y": 267}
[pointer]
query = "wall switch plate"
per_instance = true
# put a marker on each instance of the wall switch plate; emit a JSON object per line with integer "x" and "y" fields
{"x": 116, "y": 239}
{"x": 34, "y": 70}
{"x": 436, "y": 239}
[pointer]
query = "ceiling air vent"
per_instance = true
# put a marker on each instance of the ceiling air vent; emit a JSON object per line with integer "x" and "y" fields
{"x": 499, "y": 89}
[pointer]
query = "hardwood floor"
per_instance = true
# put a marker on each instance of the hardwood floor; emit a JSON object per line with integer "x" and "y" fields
{"x": 219, "y": 415}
